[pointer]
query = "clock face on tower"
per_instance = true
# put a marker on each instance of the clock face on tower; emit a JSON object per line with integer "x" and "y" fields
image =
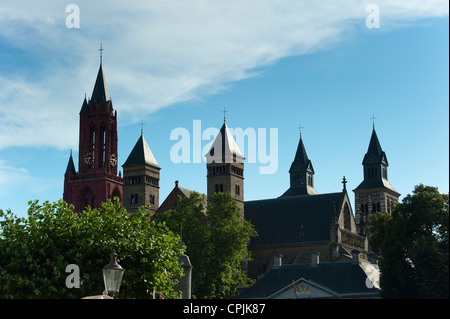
{"x": 88, "y": 158}
{"x": 113, "y": 160}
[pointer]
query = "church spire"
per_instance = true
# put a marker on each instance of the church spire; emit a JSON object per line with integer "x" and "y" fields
{"x": 301, "y": 173}
{"x": 100, "y": 92}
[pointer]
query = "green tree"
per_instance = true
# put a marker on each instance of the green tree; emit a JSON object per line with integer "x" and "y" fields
{"x": 413, "y": 246}
{"x": 216, "y": 238}
{"x": 36, "y": 250}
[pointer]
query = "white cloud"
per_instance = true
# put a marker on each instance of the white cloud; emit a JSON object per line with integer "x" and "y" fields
{"x": 158, "y": 52}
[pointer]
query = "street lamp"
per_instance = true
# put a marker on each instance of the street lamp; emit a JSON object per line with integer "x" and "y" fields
{"x": 112, "y": 275}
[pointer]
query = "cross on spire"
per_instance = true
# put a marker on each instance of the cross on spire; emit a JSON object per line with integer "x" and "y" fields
{"x": 373, "y": 118}
{"x": 101, "y": 52}
{"x": 300, "y": 128}
{"x": 224, "y": 115}
{"x": 141, "y": 123}
{"x": 344, "y": 181}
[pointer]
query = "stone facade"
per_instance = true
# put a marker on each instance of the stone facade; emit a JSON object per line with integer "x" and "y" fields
{"x": 141, "y": 187}
{"x": 227, "y": 177}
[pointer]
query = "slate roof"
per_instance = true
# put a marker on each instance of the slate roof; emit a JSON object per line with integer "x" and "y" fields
{"x": 70, "y": 165}
{"x": 99, "y": 94}
{"x": 301, "y": 161}
{"x": 141, "y": 154}
{"x": 299, "y": 190}
{"x": 375, "y": 153}
{"x": 224, "y": 146}
{"x": 339, "y": 278}
{"x": 289, "y": 220}
{"x": 372, "y": 183}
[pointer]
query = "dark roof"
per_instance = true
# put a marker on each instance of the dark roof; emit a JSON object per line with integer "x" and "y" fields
{"x": 301, "y": 161}
{"x": 299, "y": 190}
{"x": 141, "y": 154}
{"x": 374, "y": 153}
{"x": 341, "y": 278}
{"x": 171, "y": 200}
{"x": 373, "y": 183}
{"x": 100, "y": 92}
{"x": 296, "y": 219}
{"x": 223, "y": 146}
{"x": 84, "y": 107}
{"x": 70, "y": 165}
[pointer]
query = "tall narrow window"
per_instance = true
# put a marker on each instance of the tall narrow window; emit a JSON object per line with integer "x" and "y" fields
{"x": 103, "y": 141}
{"x": 92, "y": 146}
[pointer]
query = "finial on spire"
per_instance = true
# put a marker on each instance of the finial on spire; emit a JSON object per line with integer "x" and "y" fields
{"x": 224, "y": 115}
{"x": 373, "y": 118}
{"x": 101, "y": 52}
{"x": 141, "y": 123}
{"x": 300, "y": 128}
{"x": 344, "y": 181}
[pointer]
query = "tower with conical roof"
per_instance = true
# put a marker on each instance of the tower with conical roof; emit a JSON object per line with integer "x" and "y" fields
{"x": 301, "y": 174}
{"x": 96, "y": 179}
{"x": 374, "y": 193}
{"x": 225, "y": 167}
{"x": 141, "y": 175}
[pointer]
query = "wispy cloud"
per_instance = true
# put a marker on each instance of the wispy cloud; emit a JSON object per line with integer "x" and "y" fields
{"x": 157, "y": 53}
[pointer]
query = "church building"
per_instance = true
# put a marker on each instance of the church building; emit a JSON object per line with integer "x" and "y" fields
{"x": 301, "y": 221}
{"x": 293, "y": 229}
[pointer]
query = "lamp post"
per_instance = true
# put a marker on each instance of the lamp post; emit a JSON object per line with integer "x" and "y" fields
{"x": 112, "y": 275}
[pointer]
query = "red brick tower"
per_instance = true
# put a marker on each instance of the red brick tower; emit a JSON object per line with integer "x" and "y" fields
{"x": 97, "y": 178}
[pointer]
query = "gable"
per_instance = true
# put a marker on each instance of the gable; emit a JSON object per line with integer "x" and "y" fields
{"x": 325, "y": 280}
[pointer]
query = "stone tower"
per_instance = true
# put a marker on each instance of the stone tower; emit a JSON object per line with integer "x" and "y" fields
{"x": 225, "y": 167}
{"x": 301, "y": 173}
{"x": 141, "y": 178}
{"x": 97, "y": 179}
{"x": 375, "y": 193}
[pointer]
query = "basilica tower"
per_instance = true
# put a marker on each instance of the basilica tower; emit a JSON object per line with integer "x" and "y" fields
{"x": 375, "y": 193}
{"x": 225, "y": 167}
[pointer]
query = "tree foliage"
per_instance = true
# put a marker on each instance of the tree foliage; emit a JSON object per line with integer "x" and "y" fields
{"x": 216, "y": 238}
{"x": 413, "y": 245}
{"x": 36, "y": 250}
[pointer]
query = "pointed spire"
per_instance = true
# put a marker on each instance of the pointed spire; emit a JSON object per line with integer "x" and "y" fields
{"x": 224, "y": 149}
{"x": 374, "y": 153}
{"x": 301, "y": 174}
{"x": 100, "y": 92}
{"x": 70, "y": 165}
{"x": 141, "y": 154}
{"x": 301, "y": 161}
{"x": 84, "y": 107}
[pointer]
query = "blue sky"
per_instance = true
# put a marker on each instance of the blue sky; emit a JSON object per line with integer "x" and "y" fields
{"x": 271, "y": 64}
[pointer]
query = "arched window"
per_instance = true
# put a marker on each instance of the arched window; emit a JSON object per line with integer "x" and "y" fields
{"x": 346, "y": 217}
{"x": 221, "y": 188}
